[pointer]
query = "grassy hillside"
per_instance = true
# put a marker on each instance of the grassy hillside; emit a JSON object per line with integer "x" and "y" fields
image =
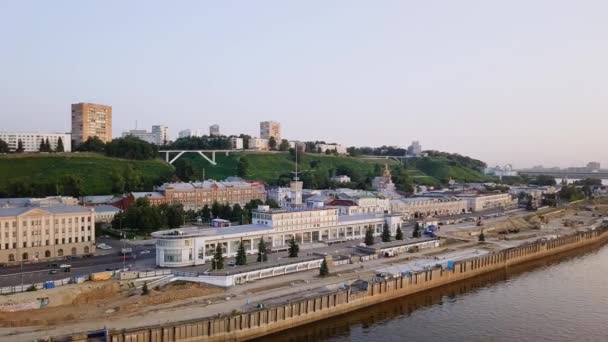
{"x": 270, "y": 166}
{"x": 95, "y": 170}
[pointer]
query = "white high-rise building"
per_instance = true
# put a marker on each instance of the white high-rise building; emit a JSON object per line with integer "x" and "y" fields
{"x": 415, "y": 149}
{"x": 31, "y": 141}
{"x": 186, "y": 133}
{"x": 158, "y": 136}
{"x": 162, "y": 134}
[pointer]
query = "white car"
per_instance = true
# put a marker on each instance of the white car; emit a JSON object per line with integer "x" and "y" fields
{"x": 145, "y": 251}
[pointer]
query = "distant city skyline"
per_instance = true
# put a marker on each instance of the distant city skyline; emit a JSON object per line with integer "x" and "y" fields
{"x": 519, "y": 83}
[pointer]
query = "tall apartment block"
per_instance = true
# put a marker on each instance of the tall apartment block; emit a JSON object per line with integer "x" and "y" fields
{"x": 270, "y": 129}
{"x": 214, "y": 130}
{"x": 90, "y": 120}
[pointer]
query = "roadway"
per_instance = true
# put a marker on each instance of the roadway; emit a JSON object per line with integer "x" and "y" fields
{"x": 110, "y": 259}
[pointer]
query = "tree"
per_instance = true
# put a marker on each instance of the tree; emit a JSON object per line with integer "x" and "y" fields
{"x": 482, "y": 237}
{"x": 206, "y": 213}
{"x": 218, "y": 257}
{"x": 42, "y": 147}
{"x": 144, "y": 290}
{"x": 272, "y": 203}
{"x": 262, "y": 252}
{"x": 131, "y": 147}
{"x": 4, "y": 147}
{"x": 241, "y": 255}
{"x": 184, "y": 169}
{"x": 386, "y": 233}
{"x": 238, "y": 213}
{"x": 118, "y": 183}
{"x": 242, "y": 167}
{"x": 369, "y": 236}
{"x": 399, "y": 234}
{"x": 60, "y": 147}
{"x": 47, "y": 146}
{"x": 294, "y": 249}
{"x": 92, "y": 144}
{"x": 272, "y": 143}
{"x": 324, "y": 270}
{"x": 71, "y": 185}
{"x": 416, "y": 232}
{"x": 20, "y": 148}
{"x": 284, "y": 145}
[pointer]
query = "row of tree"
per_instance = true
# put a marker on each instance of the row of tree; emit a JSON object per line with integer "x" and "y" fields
{"x": 45, "y": 146}
{"x": 67, "y": 185}
{"x": 128, "y": 147}
{"x": 146, "y": 218}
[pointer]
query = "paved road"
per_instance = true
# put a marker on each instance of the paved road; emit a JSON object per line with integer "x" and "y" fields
{"x": 110, "y": 259}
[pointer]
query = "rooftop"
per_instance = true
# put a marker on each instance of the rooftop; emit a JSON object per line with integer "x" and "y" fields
{"x": 210, "y": 232}
{"x": 58, "y": 209}
{"x": 106, "y": 209}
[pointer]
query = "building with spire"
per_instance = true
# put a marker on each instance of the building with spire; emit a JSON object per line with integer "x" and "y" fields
{"x": 384, "y": 183}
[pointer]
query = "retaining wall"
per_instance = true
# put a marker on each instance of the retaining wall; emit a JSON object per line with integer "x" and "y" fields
{"x": 256, "y": 323}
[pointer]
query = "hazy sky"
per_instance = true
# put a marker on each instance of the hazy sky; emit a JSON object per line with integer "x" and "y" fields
{"x": 522, "y": 82}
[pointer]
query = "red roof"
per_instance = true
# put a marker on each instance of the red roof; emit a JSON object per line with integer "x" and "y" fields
{"x": 341, "y": 203}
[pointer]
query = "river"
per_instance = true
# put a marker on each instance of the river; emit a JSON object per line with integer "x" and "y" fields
{"x": 563, "y": 298}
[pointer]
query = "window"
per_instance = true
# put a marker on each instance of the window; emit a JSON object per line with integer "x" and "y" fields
{"x": 24, "y": 244}
{"x": 86, "y": 249}
{"x": 47, "y": 254}
{"x": 73, "y": 250}
{"x": 60, "y": 252}
{"x": 24, "y": 256}
{"x": 56, "y": 241}
{"x": 11, "y": 257}
{"x": 173, "y": 255}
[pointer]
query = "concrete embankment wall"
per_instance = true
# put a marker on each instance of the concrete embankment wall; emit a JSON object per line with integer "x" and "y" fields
{"x": 243, "y": 326}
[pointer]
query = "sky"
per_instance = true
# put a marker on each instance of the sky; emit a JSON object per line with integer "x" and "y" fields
{"x": 521, "y": 82}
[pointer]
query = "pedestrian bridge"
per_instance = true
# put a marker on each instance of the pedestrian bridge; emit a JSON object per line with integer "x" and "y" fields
{"x": 209, "y": 155}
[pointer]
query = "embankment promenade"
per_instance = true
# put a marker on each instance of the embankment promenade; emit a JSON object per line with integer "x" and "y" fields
{"x": 242, "y": 326}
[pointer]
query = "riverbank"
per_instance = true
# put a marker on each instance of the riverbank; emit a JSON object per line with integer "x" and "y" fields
{"x": 280, "y": 316}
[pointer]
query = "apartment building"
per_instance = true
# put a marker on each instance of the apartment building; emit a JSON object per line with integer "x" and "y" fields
{"x": 31, "y": 141}
{"x": 258, "y": 144}
{"x": 322, "y": 148}
{"x": 158, "y": 136}
{"x": 214, "y": 130}
{"x": 270, "y": 129}
{"x": 91, "y": 120}
{"x": 31, "y": 233}
{"x": 194, "y": 196}
{"x": 236, "y": 143}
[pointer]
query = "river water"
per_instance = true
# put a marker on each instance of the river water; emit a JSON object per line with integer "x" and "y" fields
{"x": 564, "y": 298}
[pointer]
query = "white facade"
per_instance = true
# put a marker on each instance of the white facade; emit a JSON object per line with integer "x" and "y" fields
{"x": 258, "y": 144}
{"x": 186, "y": 133}
{"x": 236, "y": 143}
{"x": 482, "y": 202}
{"x": 195, "y": 246}
{"x": 31, "y": 141}
{"x": 158, "y": 135}
{"x": 415, "y": 149}
{"x": 162, "y": 134}
{"x": 341, "y": 179}
{"x": 340, "y": 149}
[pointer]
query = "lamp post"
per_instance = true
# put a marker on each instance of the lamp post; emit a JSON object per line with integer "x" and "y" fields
{"x": 124, "y": 255}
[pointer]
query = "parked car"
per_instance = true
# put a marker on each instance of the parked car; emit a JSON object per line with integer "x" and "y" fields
{"x": 145, "y": 251}
{"x": 52, "y": 271}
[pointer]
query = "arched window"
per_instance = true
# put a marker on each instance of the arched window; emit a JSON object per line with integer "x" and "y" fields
{"x": 11, "y": 257}
{"x": 47, "y": 254}
{"x": 60, "y": 252}
{"x": 24, "y": 256}
{"x": 73, "y": 250}
{"x": 86, "y": 249}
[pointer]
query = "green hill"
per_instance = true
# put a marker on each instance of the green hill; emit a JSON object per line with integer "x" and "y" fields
{"x": 270, "y": 167}
{"x": 40, "y": 173}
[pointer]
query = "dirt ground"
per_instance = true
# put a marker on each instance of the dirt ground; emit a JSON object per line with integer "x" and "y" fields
{"x": 107, "y": 300}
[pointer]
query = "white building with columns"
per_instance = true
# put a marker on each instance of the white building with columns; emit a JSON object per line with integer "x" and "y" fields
{"x": 195, "y": 245}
